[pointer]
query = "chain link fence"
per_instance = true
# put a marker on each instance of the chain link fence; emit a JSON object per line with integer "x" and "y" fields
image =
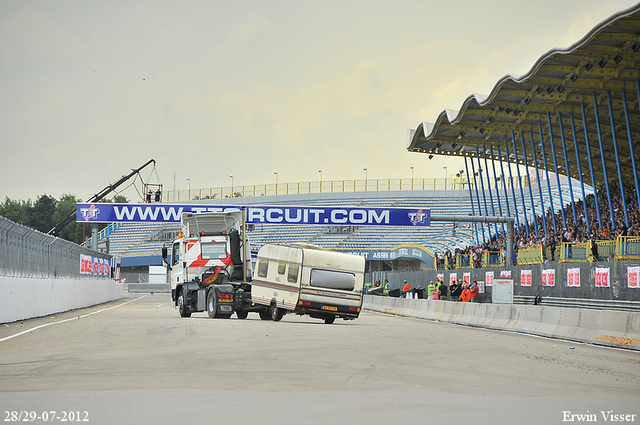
{"x": 27, "y": 253}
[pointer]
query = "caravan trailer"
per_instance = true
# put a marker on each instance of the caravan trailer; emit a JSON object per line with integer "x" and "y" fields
{"x": 308, "y": 280}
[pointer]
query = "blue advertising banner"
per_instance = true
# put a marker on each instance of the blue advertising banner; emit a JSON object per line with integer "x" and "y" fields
{"x": 339, "y": 216}
{"x": 142, "y": 213}
{"x": 330, "y": 216}
{"x": 403, "y": 251}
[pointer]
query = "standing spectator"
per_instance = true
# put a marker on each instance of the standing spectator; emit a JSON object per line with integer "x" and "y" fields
{"x": 436, "y": 294}
{"x": 430, "y": 289}
{"x": 475, "y": 292}
{"x": 466, "y": 294}
{"x": 456, "y": 290}
{"x": 444, "y": 292}
{"x": 552, "y": 246}
{"x": 594, "y": 249}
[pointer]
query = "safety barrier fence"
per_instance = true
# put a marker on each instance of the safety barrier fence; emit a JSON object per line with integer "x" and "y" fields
{"x": 492, "y": 259}
{"x": 598, "y": 280}
{"x": 623, "y": 248}
{"x": 602, "y": 327}
{"x": 575, "y": 251}
{"x": 530, "y": 255}
{"x": 628, "y": 248}
{"x": 25, "y": 252}
{"x": 463, "y": 261}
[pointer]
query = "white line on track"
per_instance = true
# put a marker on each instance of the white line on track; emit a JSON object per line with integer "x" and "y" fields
{"x": 67, "y": 320}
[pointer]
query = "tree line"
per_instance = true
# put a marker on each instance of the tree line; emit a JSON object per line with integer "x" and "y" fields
{"x": 46, "y": 211}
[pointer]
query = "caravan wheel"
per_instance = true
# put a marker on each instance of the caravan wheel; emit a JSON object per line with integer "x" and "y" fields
{"x": 276, "y": 313}
{"x": 264, "y": 315}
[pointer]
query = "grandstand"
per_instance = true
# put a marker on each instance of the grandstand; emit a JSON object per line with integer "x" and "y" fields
{"x": 141, "y": 243}
{"x": 146, "y": 240}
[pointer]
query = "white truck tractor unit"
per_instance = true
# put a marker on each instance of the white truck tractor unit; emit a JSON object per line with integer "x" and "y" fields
{"x": 210, "y": 269}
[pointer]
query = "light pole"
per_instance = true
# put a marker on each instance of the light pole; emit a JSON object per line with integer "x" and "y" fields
{"x": 189, "y": 192}
{"x": 231, "y": 176}
{"x": 276, "y": 173}
{"x": 445, "y": 177}
{"x": 412, "y": 175}
{"x": 320, "y": 171}
{"x": 366, "y": 177}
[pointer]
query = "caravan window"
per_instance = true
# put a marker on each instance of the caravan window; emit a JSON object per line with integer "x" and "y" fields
{"x": 292, "y": 276}
{"x": 332, "y": 279}
{"x": 281, "y": 268}
{"x": 263, "y": 266}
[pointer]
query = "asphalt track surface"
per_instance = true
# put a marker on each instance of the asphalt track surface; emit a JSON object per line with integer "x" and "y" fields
{"x": 135, "y": 361}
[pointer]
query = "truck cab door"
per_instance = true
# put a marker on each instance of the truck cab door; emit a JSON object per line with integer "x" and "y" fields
{"x": 177, "y": 271}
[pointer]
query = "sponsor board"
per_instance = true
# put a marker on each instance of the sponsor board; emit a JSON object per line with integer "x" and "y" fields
{"x": 300, "y": 215}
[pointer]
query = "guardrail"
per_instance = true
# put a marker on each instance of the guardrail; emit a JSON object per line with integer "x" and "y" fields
{"x": 530, "y": 255}
{"x": 575, "y": 252}
{"x": 628, "y": 248}
{"x": 492, "y": 259}
{"x": 329, "y": 186}
{"x": 463, "y": 261}
{"x": 581, "y": 303}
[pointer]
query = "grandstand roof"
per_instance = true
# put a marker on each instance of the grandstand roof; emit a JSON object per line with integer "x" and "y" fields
{"x": 603, "y": 66}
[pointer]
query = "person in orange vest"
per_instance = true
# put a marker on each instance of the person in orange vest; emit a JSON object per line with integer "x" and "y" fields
{"x": 406, "y": 289}
{"x": 466, "y": 294}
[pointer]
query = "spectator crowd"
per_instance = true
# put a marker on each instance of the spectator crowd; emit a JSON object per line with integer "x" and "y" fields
{"x": 580, "y": 229}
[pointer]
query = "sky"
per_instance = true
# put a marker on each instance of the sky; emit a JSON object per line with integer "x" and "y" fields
{"x": 90, "y": 90}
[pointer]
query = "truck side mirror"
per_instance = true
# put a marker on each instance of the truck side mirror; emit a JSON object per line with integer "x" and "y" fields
{"x": 164, "y": 257}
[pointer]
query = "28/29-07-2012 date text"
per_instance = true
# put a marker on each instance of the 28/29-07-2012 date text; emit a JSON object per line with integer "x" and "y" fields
{"x": 46, "y": 416}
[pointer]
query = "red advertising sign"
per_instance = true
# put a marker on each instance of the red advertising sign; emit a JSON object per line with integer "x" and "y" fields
{"x": 602, "y": 277}
{"x": 633, "y": 277}
{"x": 573, "y": 277}
{"x": 549, "y": 277}
{"x": 525, "y": 277}
{"x": 488, "y": 278}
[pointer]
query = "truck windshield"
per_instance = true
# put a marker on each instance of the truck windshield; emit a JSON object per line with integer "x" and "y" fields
{"x": 214, "y": 251}
{"x": 332, "y": 279}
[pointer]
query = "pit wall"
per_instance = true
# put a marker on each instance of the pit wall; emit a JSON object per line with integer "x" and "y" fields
{"x": 602, "y": 327}
{"x": 25, "y": 298}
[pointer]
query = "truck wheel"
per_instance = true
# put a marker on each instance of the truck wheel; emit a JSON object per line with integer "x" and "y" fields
{"x": 264, "y": 315}
{"x": 212, "y": 303}
{"x": 182, "y": 307}
{"x": 241, "y": 314}
{"x": 329, "y": 320}
{"x": 276, "y": 313}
